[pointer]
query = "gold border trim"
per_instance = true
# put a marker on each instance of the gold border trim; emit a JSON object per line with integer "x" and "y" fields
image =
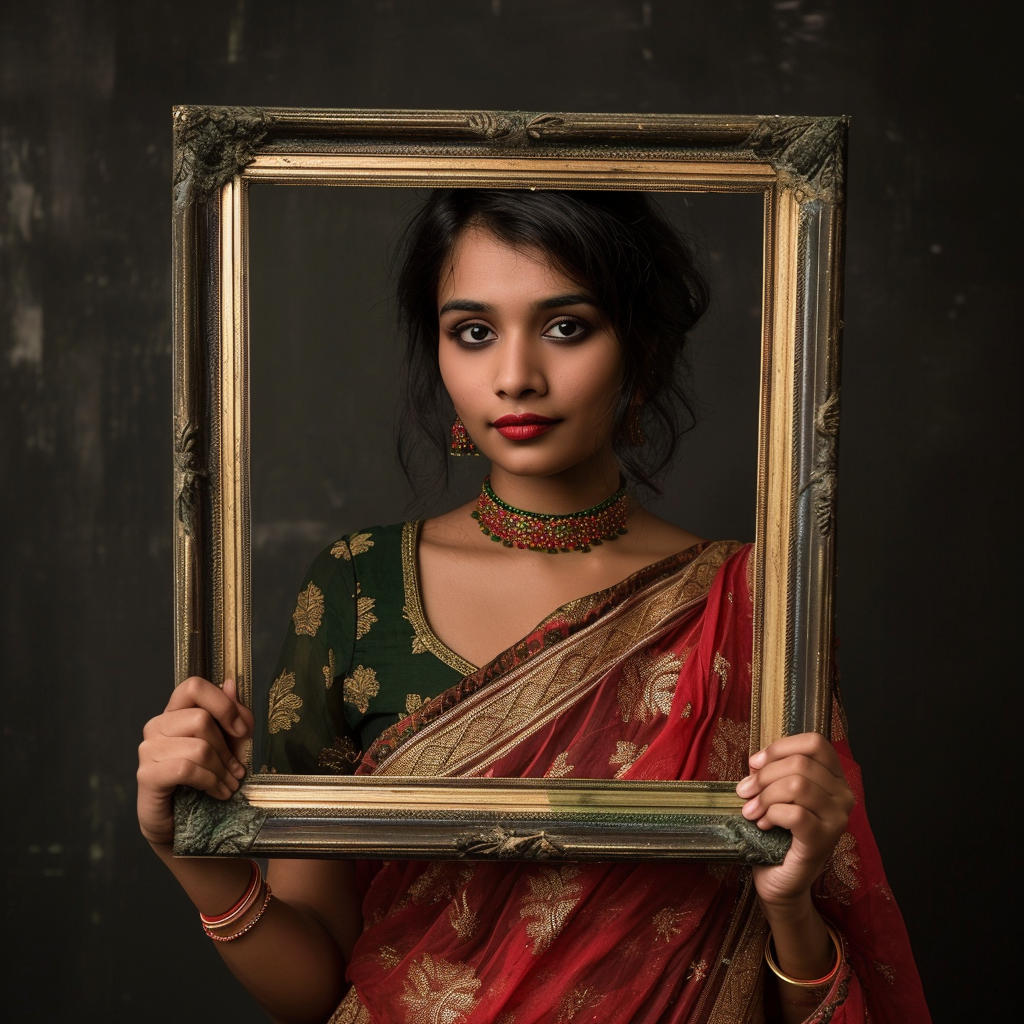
{"x": 414, "y": 604}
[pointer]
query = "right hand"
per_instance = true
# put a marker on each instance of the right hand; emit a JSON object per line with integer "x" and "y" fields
{"x": 196, "y": 742}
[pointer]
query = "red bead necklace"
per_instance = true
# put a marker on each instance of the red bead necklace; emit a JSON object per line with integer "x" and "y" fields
{"x": 542, "y": 531}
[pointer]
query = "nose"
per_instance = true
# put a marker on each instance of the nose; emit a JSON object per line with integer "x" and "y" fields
{"x": 519, "y": 367}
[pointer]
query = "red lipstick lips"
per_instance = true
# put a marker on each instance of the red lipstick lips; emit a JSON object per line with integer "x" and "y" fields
{"x": 523, "y": 427}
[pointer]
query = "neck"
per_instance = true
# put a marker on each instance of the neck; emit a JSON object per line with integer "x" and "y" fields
{"x": 579, "y": 487}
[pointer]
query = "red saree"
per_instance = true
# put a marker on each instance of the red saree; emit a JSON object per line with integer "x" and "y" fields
{"x": 647, "y": 680}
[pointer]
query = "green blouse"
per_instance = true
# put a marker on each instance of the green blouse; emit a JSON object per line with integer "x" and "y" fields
{"x": 359, "y": 655}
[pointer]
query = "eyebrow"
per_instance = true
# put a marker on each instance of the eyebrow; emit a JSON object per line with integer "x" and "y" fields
{"x": 472, "y": 306}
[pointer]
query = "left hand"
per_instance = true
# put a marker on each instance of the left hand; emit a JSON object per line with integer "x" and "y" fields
{"x": 798, "y": 783}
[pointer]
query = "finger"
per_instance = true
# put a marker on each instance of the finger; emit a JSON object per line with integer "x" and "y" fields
{"x": 796, "y": 790}
{"x": 196, "y": 692}
{"x": 811, "y": 744}
{"x": 804, "y": 825}
{"x": 795, "y": 764}
{"x": 185, "y": 767}
{"x": 191, "y": 762}
{"x": 195, "y": 722}
{"x": 239, "y": 743}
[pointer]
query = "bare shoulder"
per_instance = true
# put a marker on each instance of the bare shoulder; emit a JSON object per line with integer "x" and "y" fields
{"x": 658, "y": 538}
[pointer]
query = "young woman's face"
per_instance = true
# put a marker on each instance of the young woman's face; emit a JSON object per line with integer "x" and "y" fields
{"x": 530, "y": 362}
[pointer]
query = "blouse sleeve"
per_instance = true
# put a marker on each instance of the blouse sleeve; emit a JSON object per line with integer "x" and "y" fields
{"x": 305, "y": 728}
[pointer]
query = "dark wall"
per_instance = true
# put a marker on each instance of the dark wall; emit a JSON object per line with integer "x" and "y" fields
{"x": 929, "y": 577}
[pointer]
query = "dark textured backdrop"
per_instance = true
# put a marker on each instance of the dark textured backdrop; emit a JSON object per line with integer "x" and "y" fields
{"x": 929, "y": 571}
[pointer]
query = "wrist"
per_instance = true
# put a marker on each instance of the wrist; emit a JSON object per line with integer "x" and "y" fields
{"x": 790, "y": 911}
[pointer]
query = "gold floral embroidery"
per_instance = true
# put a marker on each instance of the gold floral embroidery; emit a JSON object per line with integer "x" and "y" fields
{"x": 359, "y": 543}
{"x": 839, "y": 876}
{"x": 626, "y": 754}
{"x": 462, "y": 919}
{"x": 887, "y": 971}
{"x": 582, "y": 997}
{"x": 340, "y": 550}
{"x": 508, "y": 1017}
{"x": 721, "y": 669}
{"x": 360, "y": 687}
{"x": 350, "y": 1010}
{"x": 284, "y": 706}
{"x": 698, "y": 970}
{"x": 364, "y": 614}
{"x": 439, "y": 992}
{"x": 329, "y": 669}
{"x": 729, "y": 745}
{"x": 560, "y": 767}
{"x": 647, "y": 686}
{"x": 441, "y": 881}
{"x": 389, "y": 957}
{"x": 687, "y": 711}
{"x": 667, "y": 923}
{"x": 309, "y": 610}
{"x": 412, "y": 702}
{"x": 553, "y": 897}
{"x": 341, "y": 758}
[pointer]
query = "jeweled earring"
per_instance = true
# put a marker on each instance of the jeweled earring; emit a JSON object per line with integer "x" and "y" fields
{"x": 462, "y": 443}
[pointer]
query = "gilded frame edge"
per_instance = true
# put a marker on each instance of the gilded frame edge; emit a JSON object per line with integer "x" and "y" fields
{"x": 799, "y": 166}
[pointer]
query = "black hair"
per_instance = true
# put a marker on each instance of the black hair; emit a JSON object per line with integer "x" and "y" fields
{"x": 620, "y": 245}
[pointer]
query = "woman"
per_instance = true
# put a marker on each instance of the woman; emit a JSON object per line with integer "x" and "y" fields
{"x": 554, "y": 322}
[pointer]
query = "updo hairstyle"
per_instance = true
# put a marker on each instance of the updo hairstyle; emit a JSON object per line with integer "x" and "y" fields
{"x": 618, "y": 245}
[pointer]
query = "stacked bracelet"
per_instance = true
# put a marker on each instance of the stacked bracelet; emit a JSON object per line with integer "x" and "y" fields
{"x": 255, "y": 890}
{"x": 802, "y": 982}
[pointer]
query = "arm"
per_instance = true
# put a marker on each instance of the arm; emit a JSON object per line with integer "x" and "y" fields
{"x": 293, "y": 959}
{"x": 797, "y": 783}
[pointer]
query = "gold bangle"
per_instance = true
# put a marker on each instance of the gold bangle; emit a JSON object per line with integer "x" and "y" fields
{"x": 237, "y": 935}
{"x": 801, "y": 982}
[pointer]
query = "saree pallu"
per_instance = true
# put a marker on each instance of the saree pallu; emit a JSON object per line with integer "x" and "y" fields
{"x": 650, "y": 679}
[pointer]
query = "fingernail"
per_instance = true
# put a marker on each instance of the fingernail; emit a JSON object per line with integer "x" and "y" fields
{"x": 238, "y": 726}
{"x": 756, "y": 760}
{"x": 745, "y": 786}
{"x": 236, "y": 769}
{"x": 750, "y": 808}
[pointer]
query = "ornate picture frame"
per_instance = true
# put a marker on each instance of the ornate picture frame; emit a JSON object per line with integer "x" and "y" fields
{"x": 797, "y": 164}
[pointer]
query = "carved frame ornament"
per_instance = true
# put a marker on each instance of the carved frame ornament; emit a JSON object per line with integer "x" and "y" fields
{"x": 798, "y": 165}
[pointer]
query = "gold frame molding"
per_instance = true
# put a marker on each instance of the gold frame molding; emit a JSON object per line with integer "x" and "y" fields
{"x": 798, "y": 165}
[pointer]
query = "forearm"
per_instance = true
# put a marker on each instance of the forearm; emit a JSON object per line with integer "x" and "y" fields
{"x": 803, "y": 950}
{"x": 288, "y": 961}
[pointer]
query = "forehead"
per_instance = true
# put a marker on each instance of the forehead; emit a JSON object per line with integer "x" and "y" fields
{"x": 482, "y": 265}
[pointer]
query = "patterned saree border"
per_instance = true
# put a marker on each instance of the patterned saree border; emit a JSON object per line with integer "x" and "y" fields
{"x": 488, "y": 722}
{"x": 555, "y": 627}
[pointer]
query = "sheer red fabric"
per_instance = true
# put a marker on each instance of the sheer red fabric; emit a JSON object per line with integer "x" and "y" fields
{"x": 648, "y": 680}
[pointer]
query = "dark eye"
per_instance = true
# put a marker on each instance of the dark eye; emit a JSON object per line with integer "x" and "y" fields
{"x": 565, "y": 330}
{"x": 474, "y": 334}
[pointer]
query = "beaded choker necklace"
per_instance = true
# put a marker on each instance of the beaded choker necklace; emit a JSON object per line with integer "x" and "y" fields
{"x": 541, "y": 531}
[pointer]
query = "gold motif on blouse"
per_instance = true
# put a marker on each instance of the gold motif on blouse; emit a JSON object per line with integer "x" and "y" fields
{"x": 647, "y": 686}
{"x": 418, "y": 646}
{"x": 438, "y": 991}
{"x": 553, "y": 897}
{"x": 667, "y": 923}
{"x": 360, "y": 687}
{"x": 560, "y": 767}
{"x": 463, "y": 920}
{"x": 340, "y": 550}
{"x": 412, "y": 702}
{"x": 341, "y": 758}
{"x": 721, "y": 669}
{"x": 626, "y": 754}
{"x": 329, "y": 670}
{"x": 364, "y": 614}
{"x": 359, "y": 543}
{"x": 839, "y": 877}
{"x": 729, "y": 749}
{"x": 283, "y": 709}
{"x": 309, "y": 610}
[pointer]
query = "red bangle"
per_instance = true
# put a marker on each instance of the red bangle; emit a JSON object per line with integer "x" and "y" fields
{"x": 248, "y": 897}
{"x": 241, "y": 931}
